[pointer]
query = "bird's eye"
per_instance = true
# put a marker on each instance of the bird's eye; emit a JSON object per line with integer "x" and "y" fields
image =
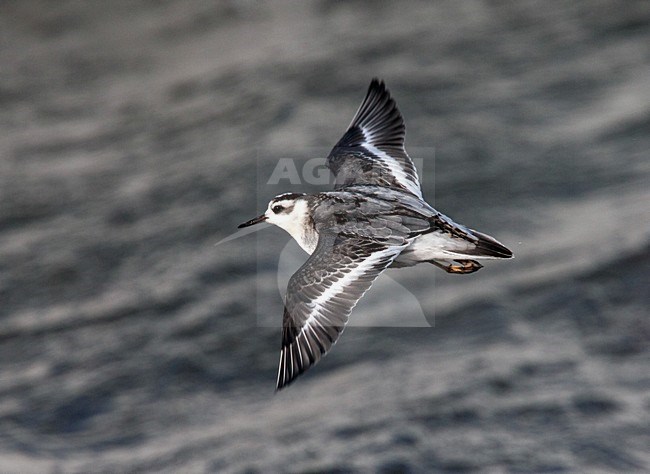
{"x": 277, "y": 208}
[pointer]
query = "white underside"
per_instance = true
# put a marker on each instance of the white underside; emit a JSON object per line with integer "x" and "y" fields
{"x": 427, "y": 247}
{"x": 436, "y": 246}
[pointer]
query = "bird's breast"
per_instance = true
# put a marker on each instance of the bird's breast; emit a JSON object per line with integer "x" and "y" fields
{"x": 308, "y": 240}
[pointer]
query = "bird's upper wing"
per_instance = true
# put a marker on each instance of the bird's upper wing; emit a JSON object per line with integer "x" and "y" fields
{"x": 321, "y": 295}
{"x": 372, "y": 149}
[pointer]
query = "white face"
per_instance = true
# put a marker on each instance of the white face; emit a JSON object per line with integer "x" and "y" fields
{"x": 288, "y": 214}
{"x": 291, "y": 213}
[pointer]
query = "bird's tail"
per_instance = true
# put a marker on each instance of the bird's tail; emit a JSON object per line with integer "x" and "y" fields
{"x": 488, "y": 247}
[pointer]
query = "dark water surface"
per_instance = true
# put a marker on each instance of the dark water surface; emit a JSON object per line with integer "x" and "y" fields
{"x": 136, "y": 135}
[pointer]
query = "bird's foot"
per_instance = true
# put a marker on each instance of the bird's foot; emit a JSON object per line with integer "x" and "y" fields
{"x": 458, "y": 266}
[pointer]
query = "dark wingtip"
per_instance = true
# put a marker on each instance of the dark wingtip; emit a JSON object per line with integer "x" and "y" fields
{"x": 378, "y": 114}
{"x": 281, "y": 386}
{"x": 286, "y": 381}
{"x": 377, "y": 83}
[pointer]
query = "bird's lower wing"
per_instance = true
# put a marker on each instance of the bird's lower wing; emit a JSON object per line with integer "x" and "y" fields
{"x": 321, "y": 295}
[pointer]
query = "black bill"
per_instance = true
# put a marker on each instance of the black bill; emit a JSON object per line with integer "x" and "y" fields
{"x": 254, "y": 221}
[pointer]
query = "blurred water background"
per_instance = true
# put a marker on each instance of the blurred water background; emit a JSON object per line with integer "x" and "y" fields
{"x": 136, "y": 135}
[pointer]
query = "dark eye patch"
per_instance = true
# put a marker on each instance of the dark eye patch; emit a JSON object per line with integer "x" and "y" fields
{"x": 277, "y": 209}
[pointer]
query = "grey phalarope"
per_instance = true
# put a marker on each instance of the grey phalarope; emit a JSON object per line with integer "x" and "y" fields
{"x": 374, "y": 219}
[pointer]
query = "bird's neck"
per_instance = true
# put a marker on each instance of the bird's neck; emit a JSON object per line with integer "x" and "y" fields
{"x": 302, "y": 229}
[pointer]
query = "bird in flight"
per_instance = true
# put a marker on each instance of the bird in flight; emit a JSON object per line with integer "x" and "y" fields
{"x": 374, "y": 219}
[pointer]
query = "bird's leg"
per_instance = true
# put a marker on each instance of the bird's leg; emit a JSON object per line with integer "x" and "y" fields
{"x": 458, "y": 266}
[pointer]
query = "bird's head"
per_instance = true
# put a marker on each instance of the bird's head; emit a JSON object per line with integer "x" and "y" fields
{"x": 286, "y": 210}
